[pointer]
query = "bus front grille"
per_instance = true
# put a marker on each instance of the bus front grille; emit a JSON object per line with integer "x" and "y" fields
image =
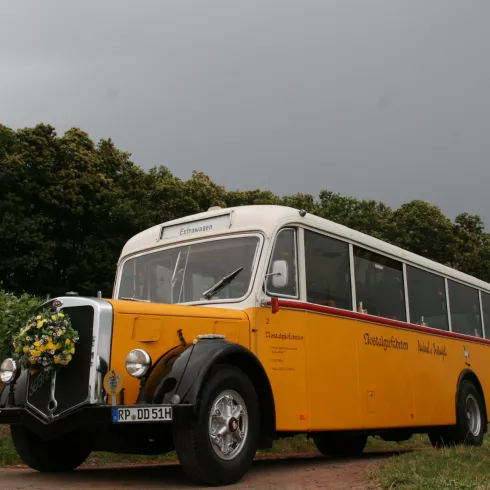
{"x": 72, "y": 386}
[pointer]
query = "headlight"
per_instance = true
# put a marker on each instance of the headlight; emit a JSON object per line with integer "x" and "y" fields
{"x": 8, "y": 371}
{"x": 138, "y": 361}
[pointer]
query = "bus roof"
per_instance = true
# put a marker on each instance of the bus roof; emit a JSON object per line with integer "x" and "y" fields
{"x": 267, "y": 219}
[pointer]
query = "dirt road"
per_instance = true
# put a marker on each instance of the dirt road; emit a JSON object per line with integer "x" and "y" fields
{"x": 300, "y": 472}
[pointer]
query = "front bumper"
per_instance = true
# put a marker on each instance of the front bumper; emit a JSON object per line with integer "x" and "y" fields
{"x": 88, "y": 417}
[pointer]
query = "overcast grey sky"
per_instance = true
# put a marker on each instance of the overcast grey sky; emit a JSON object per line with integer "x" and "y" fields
{"x": 378, "y": 99}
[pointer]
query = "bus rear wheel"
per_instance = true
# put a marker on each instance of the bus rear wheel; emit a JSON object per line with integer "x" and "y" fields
{"x": 57, "y": 455}
{"x": 218, "y": 447}
{"x": 343, "y": 445}
{"x": 470, "y": 420}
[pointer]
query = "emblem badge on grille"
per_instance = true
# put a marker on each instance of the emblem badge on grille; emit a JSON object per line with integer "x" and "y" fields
{"x": 57, "y": 303}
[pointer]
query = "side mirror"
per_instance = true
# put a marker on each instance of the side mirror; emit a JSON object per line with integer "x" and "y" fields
{"x": 279, "y": 274}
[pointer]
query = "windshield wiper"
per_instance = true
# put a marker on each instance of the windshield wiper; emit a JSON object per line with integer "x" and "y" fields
{"x": 221, "y": 284}
{"x": 136, "y": 299}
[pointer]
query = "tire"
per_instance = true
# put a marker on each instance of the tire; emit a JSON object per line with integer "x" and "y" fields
{"x": 470, "y": 420}
{"x": 343, "y": 445}
{"x": 202, "y": 460}
{"x": 57, "y": 455}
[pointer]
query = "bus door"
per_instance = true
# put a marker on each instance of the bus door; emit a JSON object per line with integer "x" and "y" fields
{"x": 280, "y": 337}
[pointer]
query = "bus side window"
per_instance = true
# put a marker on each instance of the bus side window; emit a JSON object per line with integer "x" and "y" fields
{"x": 427, "y": 299}
{"x": 465, "y": 309}
{"x": 327, "y": 271}
{"x": 485, "y": 298}
{"x": 285, "y": 249}
{"x": 379, "y": 285}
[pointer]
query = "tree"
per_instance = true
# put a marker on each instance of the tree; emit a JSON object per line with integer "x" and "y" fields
{"x": 472, "y": 247}
{"x": 370, "y": 217}
{"x": 423, "y": 229}
{"x": 68, "y": 205}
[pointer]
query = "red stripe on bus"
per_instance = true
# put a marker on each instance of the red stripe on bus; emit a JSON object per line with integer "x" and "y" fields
{"x": 299, "y": 305}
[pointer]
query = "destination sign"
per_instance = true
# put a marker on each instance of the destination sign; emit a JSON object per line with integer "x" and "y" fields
{"x": 195, "y": 227}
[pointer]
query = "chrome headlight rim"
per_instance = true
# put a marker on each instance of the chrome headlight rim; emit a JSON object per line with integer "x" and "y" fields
{"x": 138, "y": 363}
{"x": 9, "y": 371}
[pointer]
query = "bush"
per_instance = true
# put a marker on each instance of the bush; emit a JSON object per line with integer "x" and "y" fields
{"x": 14, "y": 313}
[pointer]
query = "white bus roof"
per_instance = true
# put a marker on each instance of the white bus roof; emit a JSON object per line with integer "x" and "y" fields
{"x": 267, "y": 219}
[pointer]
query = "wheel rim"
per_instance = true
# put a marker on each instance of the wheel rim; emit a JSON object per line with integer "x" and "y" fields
{"x": 228, "y": 424}
{"x": 473, "y": 415}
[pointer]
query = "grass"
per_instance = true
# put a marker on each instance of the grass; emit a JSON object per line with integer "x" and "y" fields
{"x": 460, "y": 467}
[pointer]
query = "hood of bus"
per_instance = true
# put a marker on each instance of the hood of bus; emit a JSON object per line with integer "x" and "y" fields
{"x": 157, "y": 328}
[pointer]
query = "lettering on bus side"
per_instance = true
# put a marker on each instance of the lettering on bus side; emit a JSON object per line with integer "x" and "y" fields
{"x": 385, "y": 343}
{"x": 283, "y": 336}
{"x": 432, "y": 349}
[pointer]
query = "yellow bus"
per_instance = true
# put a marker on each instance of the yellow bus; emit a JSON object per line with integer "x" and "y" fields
{"x": 232, "y": 328}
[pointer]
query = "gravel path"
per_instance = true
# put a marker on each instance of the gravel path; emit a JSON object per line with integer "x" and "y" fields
{"x": 303, "y": 471}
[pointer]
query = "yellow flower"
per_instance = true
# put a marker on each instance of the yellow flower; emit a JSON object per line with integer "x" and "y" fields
{"x": 72, "y": 350}
{"x": 26, "y": 349}
{"x": 35, "y": 353}
{"x": 68, "y": 357}
{"x": 54, "y": 318}
{"x": 38, "y": 317}
{"x": 58, "y": 346}
{"x": 32, "y": 361}
{"x": 50, "y": 339}
{"x": 67, "y": 341}
{"x": 61, "y": 316}
{"x": 42, "y": 348}
{"x": 57, "y": 360}
{"x": 49, "y": 346}
{"x": 37, "y": 344}
{"x": 39, "y": 324}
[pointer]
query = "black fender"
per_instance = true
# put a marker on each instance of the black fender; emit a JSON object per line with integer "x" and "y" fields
{"x": 469, "y": 375}
{"x": 183, "y": 370}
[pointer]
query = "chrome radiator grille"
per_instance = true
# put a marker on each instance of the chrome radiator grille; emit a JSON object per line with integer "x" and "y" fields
{"x": 80, "y": 382}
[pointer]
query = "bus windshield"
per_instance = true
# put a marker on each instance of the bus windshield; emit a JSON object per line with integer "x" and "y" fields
{"x": 183, "y": 274}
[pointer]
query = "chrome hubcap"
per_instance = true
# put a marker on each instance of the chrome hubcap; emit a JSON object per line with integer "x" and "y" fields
{"x": 473, "y": 415}
{"x": 228, "y": 424}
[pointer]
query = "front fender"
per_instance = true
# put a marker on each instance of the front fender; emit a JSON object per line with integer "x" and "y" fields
{"x": 183, "y": 370}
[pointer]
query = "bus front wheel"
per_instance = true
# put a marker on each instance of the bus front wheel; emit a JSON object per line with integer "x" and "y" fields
{"x": 219, "y": 446}
{"x": 340, "y": 444}
{"x": 470, "y": 420}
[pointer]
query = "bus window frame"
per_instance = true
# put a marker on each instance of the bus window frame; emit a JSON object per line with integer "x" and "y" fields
{"x": 298, "y": 295}
{"x": 403, "y": 284}
{"x": 304, "y": 296}
{"x": 253, "y": 278}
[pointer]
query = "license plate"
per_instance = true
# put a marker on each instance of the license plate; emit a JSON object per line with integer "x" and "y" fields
{"x": 144, "y": 414}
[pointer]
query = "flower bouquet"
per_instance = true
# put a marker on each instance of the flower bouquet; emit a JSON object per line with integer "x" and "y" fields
{"x": 47, "y": 342}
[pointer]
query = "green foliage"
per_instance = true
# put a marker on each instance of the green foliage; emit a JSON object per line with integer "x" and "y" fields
{"x": 15, "y": 311}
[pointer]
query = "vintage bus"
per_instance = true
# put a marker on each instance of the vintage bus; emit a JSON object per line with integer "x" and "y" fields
{"x": 235, "y": 327}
